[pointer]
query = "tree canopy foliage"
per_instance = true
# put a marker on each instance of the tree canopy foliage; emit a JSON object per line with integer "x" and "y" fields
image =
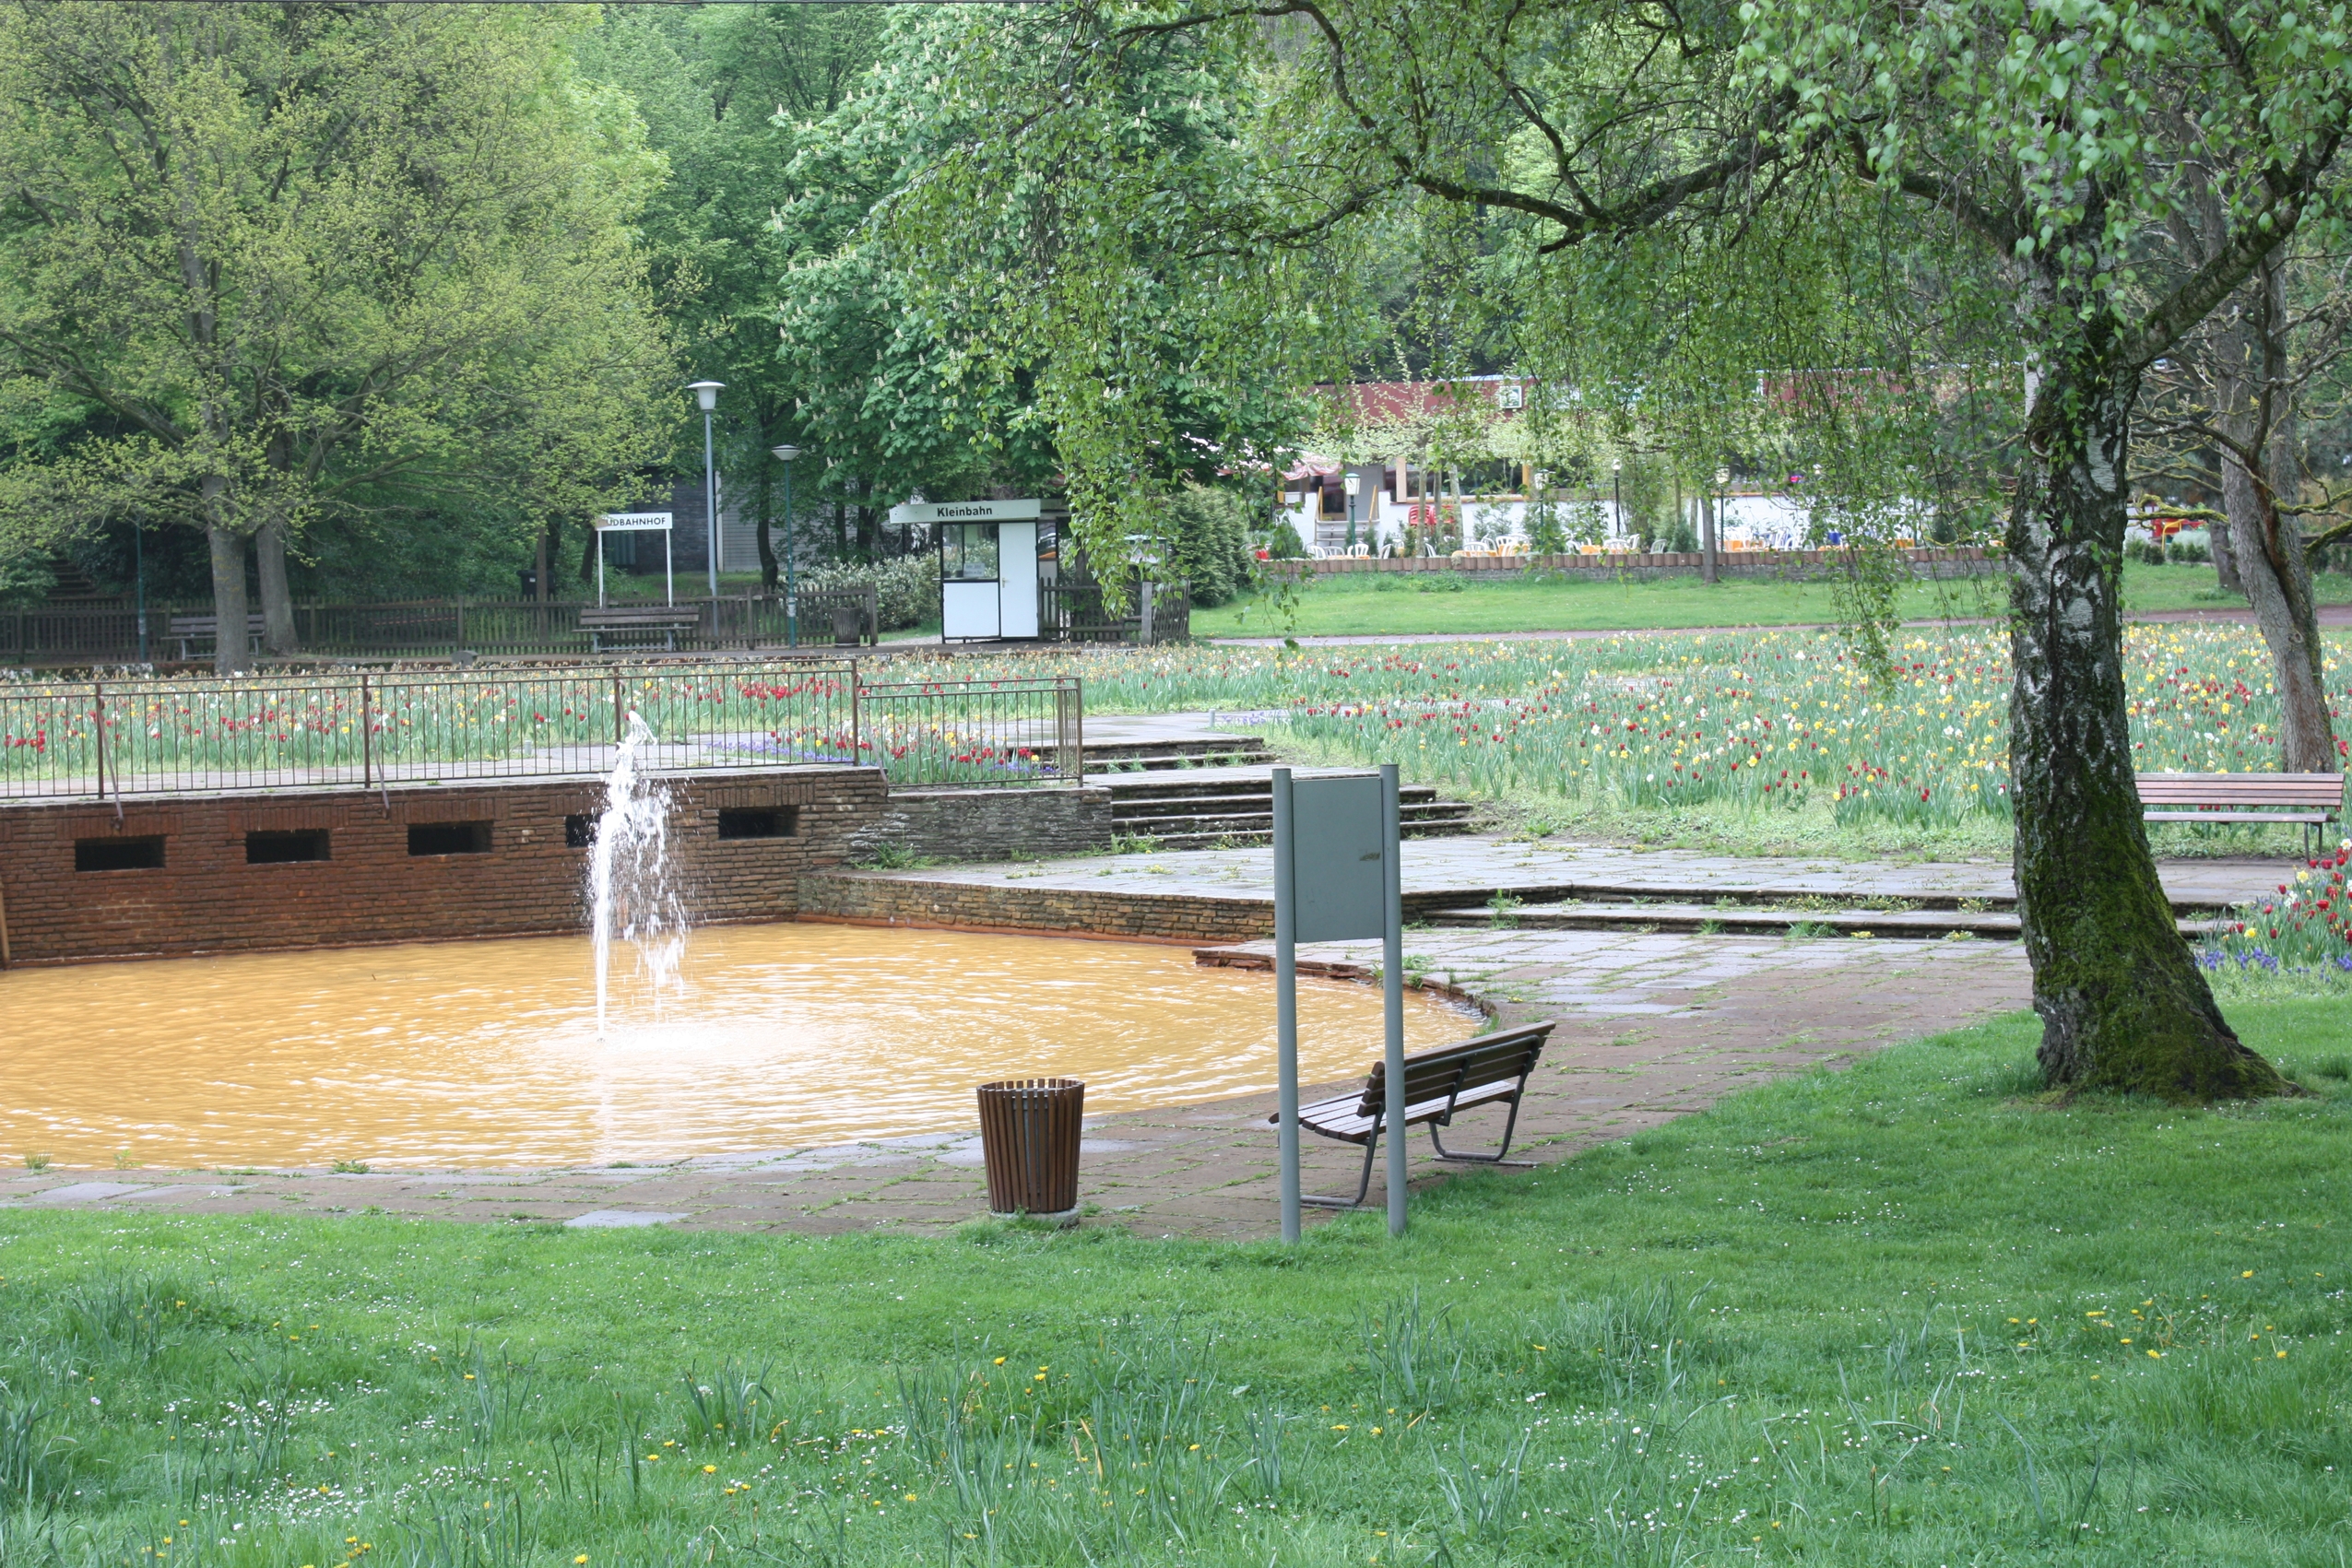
{"x": 274, "y": 269}
{"x": 1840, "y": 207}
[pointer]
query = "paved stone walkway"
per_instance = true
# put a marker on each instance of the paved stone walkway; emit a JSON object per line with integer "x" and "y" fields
{"x": 1651, "y": 1027}
{"x": 1472, "y": 868}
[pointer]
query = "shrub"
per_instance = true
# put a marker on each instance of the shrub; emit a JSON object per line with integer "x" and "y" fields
{"x": 1210, "y": 542}
{"x": 907, "y": 589}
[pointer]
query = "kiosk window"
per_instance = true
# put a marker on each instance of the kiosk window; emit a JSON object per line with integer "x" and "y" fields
{"x": 968, "y": 552}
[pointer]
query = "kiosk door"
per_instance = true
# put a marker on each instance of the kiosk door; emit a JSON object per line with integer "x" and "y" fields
{"x": 969, "y": 588}
{"x": 1017, "y": 580}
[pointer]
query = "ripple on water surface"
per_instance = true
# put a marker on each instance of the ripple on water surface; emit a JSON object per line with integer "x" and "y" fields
{"x": 486, "y": 1052}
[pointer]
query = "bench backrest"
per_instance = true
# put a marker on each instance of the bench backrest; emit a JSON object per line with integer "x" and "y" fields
{"x": 1502, "y": 1057}
{"x": 641, "y": 615}
{"x": 200, "y": 625}
{"x": 2241, "y": 789}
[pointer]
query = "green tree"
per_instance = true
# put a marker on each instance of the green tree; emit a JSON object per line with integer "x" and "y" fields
{"x": 281, "y": 263}
{"x": 729, "y": 95}
{"x": 1077, "y": 220}
{"x": 2047, "y": 141}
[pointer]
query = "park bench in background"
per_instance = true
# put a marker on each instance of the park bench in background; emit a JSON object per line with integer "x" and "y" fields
{"x": 187, "y": 628}
{"x": 2311, "y": 799}
{"x": 1491, "y": 1070}
{"x": 603, "y": 621}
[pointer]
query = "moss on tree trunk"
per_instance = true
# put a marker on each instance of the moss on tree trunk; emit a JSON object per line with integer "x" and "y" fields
{"x": 2122, "y": 1003}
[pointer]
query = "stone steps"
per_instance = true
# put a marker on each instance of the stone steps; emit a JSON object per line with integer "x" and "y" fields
{"x": 1233, "y": 808}
{"x": 1121, "y": 757}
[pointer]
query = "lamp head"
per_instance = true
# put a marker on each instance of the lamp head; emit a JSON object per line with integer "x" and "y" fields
{"x": 1616, "y": 464}
{"x": 785, "y": 454}
{"x": 1353, "y": 483}
{"x": 706, "y": 393}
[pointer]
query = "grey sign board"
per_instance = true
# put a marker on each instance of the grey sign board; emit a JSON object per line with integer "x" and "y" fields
{"x": 1335, "y": 855}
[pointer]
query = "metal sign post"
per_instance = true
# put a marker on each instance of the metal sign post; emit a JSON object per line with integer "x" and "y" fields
{"x": 1286, "y": 1003}
{"x": 1337, "y": 878}
{"x": 635, "y": 523}
{"x": 1392, "y": 992}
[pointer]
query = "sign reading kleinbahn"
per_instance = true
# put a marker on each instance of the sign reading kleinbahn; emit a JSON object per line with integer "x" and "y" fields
{"x": 966, "y": 511}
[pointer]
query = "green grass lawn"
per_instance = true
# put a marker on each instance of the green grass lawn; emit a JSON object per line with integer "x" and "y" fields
{"x": 1908, "y": 1315}
{"x": 1370, "y": 604}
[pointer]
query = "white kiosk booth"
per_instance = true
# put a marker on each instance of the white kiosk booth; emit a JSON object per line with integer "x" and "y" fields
{"x": 994, "y": 557}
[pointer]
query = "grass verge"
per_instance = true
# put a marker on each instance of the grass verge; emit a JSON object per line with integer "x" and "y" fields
{"x": 1909, "y": 1314}
{"x": 1469, "y": 604}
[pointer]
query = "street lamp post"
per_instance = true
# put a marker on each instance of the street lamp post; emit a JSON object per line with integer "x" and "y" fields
{"x": 1353, "y": 484}
{"x": 785, "y": 455}
{"x": 139, "y": 580}
{"x": 706, "y": 395}
{"x": 1618, "y": 496}
{"x": 1716, "y": 514}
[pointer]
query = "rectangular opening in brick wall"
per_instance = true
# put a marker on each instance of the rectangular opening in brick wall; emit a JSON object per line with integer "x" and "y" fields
{"x": 119, "y": 853}
{"x": 579, "y": 831}
{"x": 286, "y": 848}
{"x": 766, "y": 822}
{"x": 449, "y": 838}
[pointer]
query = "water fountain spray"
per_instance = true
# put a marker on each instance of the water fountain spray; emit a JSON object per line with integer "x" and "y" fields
{"x": 630, "y": 891}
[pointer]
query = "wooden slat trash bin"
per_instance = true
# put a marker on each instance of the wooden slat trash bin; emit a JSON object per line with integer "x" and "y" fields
{"x": 1029, "y": 1139}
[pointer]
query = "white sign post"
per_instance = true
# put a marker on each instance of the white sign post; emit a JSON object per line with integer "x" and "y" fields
{"x": 1338, "y": 877}
{"x": 635, "y": 523}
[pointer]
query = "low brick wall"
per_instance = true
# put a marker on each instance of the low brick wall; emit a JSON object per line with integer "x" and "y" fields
{"x": 519, "y": 877}
{"x": 1774, "y": 565}
{"x": 990, "y": 824}
{"x": 881, "y": 899}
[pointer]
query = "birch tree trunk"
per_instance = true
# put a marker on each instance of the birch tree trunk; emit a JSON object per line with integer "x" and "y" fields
{"x": 2122, "y": 1003}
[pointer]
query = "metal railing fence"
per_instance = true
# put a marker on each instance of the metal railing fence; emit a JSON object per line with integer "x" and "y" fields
{"x": 374, "y": 730}
{"x": 974, "y": 732}
{"x": 111, "y": 740}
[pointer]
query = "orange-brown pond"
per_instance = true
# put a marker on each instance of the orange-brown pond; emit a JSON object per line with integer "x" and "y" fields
{"x": 486, "y": 1052}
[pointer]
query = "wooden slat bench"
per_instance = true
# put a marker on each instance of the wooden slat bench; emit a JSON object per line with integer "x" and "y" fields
{"x": 668, "y": 619}
{"x": 2311, "y": 799}
{"x": 187, "y": 628}
{"x": 1491, "y": 1070}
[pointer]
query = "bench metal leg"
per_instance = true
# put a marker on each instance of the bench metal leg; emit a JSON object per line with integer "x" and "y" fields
{"x": 1363, "y": 1186}
{"x": 1495, "y": 1159}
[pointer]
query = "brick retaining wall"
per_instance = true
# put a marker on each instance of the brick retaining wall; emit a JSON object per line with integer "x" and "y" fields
{"x": 884, "y": 899}
{"x": 908, "y": 898}
{"x": 990, "y": 824}
{"x": 526, "y": 878}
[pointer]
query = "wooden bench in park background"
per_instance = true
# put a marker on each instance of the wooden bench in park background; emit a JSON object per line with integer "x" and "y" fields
{"x": 2308, "y": 800}
{"x": 604, "y": 620}
{"x": 1491, "y": 1070}
{"x": 206, "y": 629}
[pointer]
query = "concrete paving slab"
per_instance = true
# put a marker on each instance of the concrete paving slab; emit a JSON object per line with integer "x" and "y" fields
{"x": 618, "y": 1219}
{"x": 87, "y": 1192}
